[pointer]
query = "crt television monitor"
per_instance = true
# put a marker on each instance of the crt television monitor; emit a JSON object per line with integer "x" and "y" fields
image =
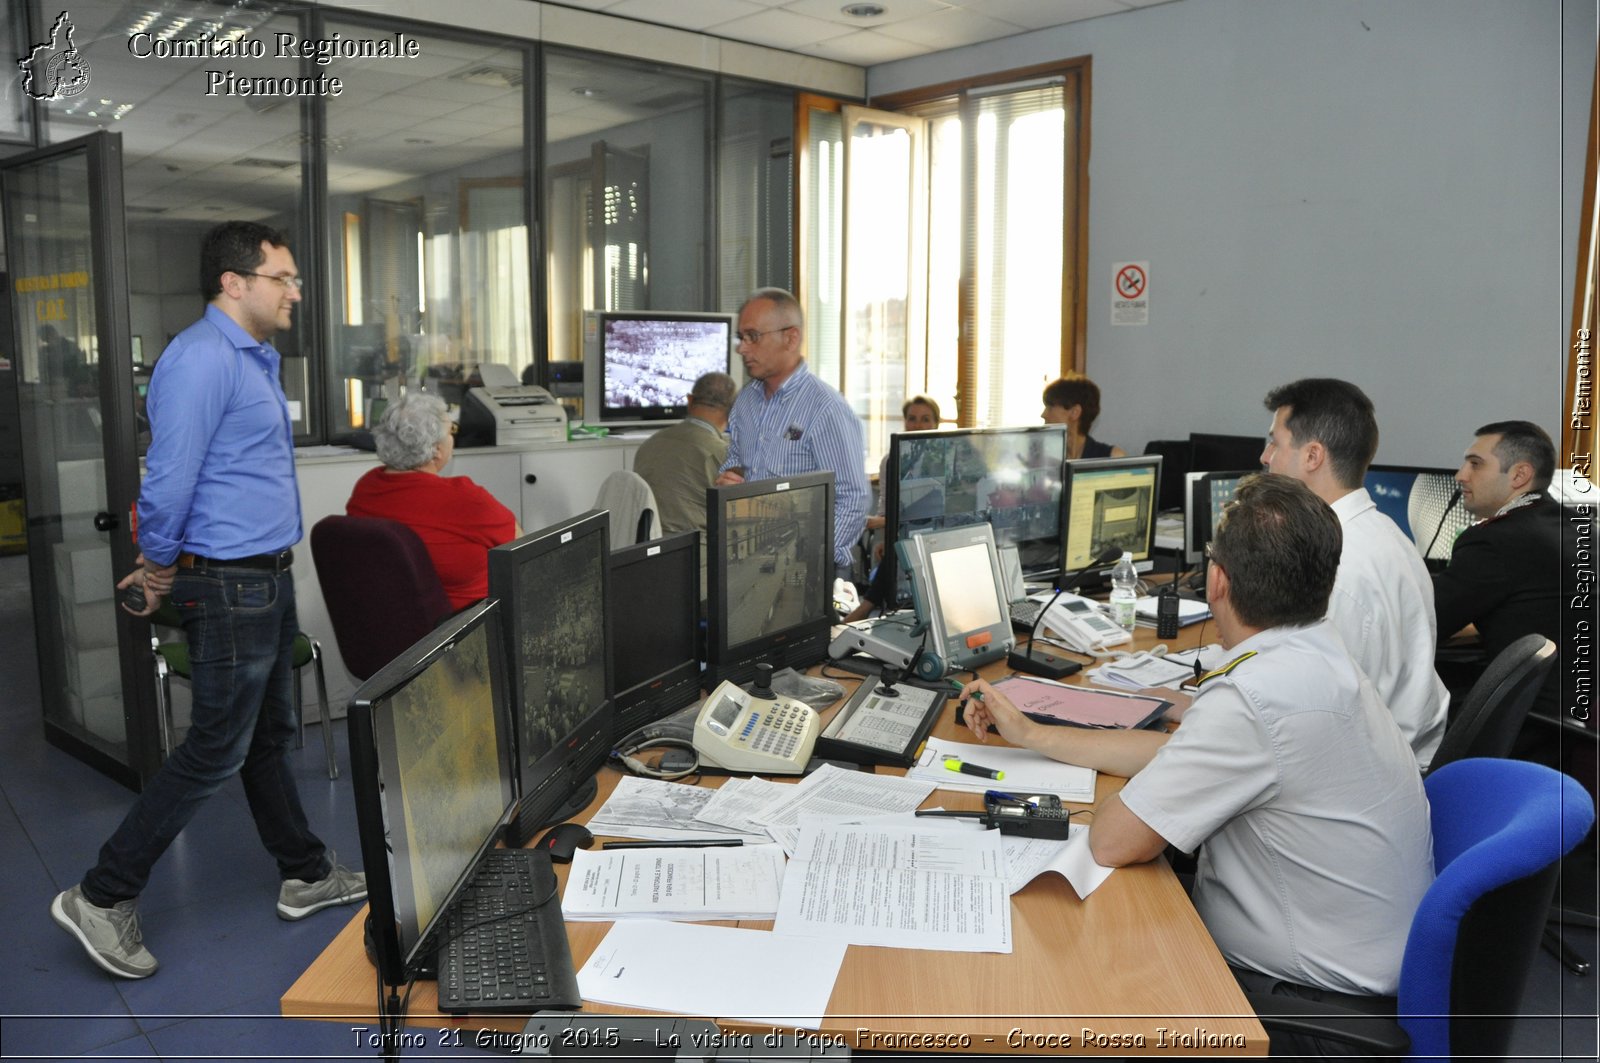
{"x": 553, "y": 585}
{"x": 655, "y": 628}
{"x": 1205, "y": 495}
{"x": 1424, "y": 503}
{"x": 1111, "y": 502}
{"x": 650, "y": 361}
{"x": 1008, "y": 478}
{"x": 430, "y": 769}
{"x": 769, "y": 573}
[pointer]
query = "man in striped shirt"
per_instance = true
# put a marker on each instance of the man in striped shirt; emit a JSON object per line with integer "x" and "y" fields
{"x": 786, "y": 421}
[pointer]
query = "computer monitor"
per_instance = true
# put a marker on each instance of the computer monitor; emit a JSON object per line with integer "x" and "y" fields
{"x": 1008, "y": 478}
{"x": 430, "y": 769}
{"x": 1205, "y": 494}
{"x": 655, "y": 628}
{"x": 769, "y": 571}
{"x": 553, "y": 583}
{"x": 650, "y": 361}
{"x": 961, "y": 598}
{"x": 1423, "y": 502}
{"x": 1111, "y": 502}
{"x": 1210, "y": 452}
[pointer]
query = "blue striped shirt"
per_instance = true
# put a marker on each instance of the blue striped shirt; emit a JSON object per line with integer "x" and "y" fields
{"x": 806, "y": 427}
{"x": 220, "y": 470}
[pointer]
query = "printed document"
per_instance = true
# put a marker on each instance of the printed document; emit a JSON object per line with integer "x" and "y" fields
{"x": 754, "y": 976}
{"x": 656, "y": 810}
{"x": 905, "y": 888}
{"x": 739, "y": 882}
{"x": 835, "y": 792}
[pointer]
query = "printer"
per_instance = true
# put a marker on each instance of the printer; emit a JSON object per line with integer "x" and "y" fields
{"x": 510, "y": 413}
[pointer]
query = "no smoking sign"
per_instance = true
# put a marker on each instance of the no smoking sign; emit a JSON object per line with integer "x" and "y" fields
{"x": 1130, "y": 293}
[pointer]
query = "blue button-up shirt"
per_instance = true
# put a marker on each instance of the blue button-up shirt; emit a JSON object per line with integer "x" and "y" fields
{"x": 806, "y": 427}
{"x": 220, "y": 470}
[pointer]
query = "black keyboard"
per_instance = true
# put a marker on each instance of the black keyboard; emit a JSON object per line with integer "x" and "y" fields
{"x": 502, "y": 950}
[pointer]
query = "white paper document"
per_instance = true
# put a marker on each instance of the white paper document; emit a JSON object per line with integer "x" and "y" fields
{"x": 901, "y": 887}
{"x": 1141, "y": 671}
{"x": 1028, "y": 858}
{"x": 837, "y": 793}
{"x": 1026, "y": 772}
{"x": 752, "y": 975}
{"x": 656, "y": 810}
{"x": 738, "y": 803}
{"x": 741, "y": 882}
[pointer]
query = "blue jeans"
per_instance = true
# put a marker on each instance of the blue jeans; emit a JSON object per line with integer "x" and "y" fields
{"x": 241, "y": 627}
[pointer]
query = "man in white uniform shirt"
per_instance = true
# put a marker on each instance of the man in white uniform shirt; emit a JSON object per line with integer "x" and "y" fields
{"x": 1324, "y": 434}
{"x": 1317, "y": 842}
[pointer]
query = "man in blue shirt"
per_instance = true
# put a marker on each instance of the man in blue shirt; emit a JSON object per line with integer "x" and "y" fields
{"x": 786, "y": 421}
{"x": 218, "y": 513}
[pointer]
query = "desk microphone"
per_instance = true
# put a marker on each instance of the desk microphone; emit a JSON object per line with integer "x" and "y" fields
{"x": 1042, "y": 662}
{"x": 1455, "y": 497}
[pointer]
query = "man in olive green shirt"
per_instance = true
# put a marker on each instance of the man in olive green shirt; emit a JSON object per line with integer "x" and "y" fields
{"x": 680, "y": 462}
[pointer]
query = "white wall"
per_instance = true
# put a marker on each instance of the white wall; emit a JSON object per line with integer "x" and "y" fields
{"x": 1381, "y": 190}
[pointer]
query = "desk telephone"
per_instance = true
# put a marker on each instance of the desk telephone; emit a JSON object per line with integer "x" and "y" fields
{"x": 760, "y": 731}
{"x": 1079, "y": 624}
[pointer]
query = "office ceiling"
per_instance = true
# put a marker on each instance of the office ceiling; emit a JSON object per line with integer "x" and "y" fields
{"x": 827, "y": 29}
{"x": 190, "y": 155}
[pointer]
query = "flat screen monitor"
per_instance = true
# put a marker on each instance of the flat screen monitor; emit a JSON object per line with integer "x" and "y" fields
{"x": 650, "y": 361}
{"x": 1008, "y": 478}
{"x": 558, "y": 655}
{"x": 430, "y": 768}
{"x": 1419, "y": 500}
{"x": 655, "y": 628}
{"x": 1111, "y": 502}
{"x": 769, "y": 573}
{"x": 1209, "y": 452}
{"x": 961, "y": 596}
{"x": 1205, "y": 494}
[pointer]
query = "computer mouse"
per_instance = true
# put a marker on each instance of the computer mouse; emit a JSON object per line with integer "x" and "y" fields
{"x": 562, "y": 840}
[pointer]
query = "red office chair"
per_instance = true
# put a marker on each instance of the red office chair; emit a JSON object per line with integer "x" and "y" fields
{"x": 380, "y": 588}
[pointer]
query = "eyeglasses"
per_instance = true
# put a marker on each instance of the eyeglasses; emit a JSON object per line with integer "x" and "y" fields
{"x": 297, "y": 283}
{"x": 750, "y": 337}
{"x": 455, "y": 427}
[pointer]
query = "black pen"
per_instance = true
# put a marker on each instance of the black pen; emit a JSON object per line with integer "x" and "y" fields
{"x": 692, "y": 843}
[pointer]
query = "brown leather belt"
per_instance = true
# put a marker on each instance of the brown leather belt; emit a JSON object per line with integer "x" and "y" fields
{"x": 278, "y": 562}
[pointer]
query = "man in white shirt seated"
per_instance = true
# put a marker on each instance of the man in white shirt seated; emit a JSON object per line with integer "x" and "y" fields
{"x": 1287, "y": 766}
{"x": 1324, "y": 434}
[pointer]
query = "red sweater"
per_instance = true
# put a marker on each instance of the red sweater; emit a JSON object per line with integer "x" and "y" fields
{"x": 457, "y": 521}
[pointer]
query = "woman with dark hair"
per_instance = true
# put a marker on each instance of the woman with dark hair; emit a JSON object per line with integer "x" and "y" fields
{"x": 1074, "y": 401}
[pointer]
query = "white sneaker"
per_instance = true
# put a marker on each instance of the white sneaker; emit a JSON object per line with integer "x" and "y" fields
{"x": 110, "y": 936}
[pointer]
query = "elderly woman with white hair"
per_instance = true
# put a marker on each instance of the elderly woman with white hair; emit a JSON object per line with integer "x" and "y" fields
{"x": 457, "y": 520}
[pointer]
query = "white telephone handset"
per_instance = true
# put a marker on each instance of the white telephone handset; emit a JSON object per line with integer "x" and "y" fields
{"x": 1081, "y": 626}
{"x": 738, "y": 731}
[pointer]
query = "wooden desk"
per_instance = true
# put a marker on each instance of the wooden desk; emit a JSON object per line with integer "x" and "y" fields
{"x": 1132, "y": 966}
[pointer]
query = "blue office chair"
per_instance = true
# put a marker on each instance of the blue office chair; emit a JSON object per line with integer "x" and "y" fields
{"x": 1500, "y": 829}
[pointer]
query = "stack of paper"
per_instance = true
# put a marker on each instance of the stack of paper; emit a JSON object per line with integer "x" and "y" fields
{"x": 1139, "y": 671}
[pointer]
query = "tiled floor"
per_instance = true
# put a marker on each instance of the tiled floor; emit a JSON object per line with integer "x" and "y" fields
{"x": 209, "y": 916}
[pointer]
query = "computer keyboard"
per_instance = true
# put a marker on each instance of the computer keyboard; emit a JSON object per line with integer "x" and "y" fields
{"x": 503, "y": 950}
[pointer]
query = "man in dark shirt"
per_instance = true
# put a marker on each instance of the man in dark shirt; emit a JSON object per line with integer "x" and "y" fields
{"x": 1504, "y": 575}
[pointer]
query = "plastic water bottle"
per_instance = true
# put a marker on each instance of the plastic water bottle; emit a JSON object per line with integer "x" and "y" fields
{"x": 1124, "y": 591}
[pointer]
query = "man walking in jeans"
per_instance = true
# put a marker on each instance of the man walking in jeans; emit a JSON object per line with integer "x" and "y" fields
{"x": 218, "y": 514}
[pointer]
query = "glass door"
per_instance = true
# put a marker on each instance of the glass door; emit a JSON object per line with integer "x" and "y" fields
{"x": 66, "y": 274}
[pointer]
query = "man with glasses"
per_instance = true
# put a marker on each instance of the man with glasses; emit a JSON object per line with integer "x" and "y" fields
{"x": 219, "y": 511}
{"x": 1288, "y": 767}
{"x": 786, "y": 421}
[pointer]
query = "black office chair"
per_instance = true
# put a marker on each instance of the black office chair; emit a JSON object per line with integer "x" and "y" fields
{"x": 1574, "y": 904}
{"x": 1495, "y": 708}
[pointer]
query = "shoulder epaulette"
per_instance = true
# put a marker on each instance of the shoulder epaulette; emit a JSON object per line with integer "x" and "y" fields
{"x": 1225, "y": 669}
